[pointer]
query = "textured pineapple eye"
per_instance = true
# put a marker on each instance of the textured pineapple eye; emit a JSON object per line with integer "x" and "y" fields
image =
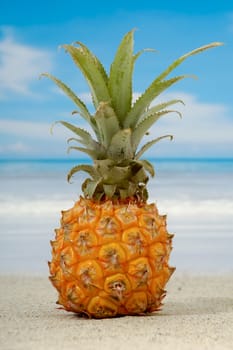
{"x": 135, "y": 242}
{"x": 74, "y": 293}
{"x": 108, "y": 229}
{"x": 90, "y": 274}
{"x": 126, "y": 217}
{"x": 117, "y": 289}
{"x": 148, "y": 221}
{"x": 112, "y": 256}
{"x": 85, "y": 242}
{"x": 86, "y": 277}
{"x": 137, "y": 303}
{"x": 139, "y": 272}
{"x": 88, "y": 217}
{"x": 67, "y": 230}
{"x": 117, "y": 285}
{"x": 101, "y": 307}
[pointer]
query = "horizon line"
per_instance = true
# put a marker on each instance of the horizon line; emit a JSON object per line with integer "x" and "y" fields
{"x": 61, "y": 159}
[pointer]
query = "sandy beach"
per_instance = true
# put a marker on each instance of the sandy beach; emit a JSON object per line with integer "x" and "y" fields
{"x": 197, "y": 314}
{"x": 198, "y": 310}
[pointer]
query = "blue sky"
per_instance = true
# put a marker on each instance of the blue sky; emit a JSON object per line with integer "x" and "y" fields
{"x": 30, "y": 35}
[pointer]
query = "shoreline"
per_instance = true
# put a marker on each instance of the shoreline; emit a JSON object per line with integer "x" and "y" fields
{"x": 197, "y": 314}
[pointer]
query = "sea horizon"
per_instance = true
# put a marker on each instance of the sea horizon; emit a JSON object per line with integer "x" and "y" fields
{"x": 166, "y": 158}
{"x": 196, "y": 194}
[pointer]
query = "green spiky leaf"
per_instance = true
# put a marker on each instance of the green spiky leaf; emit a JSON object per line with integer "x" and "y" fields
{"x": 82, "y": 107}
{"x": 145, "y": 124}
{"x": 90, "y": 189}
{"x": 83, "y": 167}
{"x": 120, "y": 78}
{"x": 94, "y": 149}
{"x": 91, "y": 72}
{"x": 109, "y": 190}
{"x": 117, "y": 174}
{"x": 140, "y": 176}
{"x": 85, "y": 136}
{"x": 103, "y": 166}
{"x": 121, "y": 145}
{"x": 96, "y": 60}
{"x": 143, "y": 102}
{"x": 124, "y": 193}
{"x": 158, "y": 108}
{"x": 107, "y": 123}
{"x": 181, "y": 59}
{"x": 91, "y": 153}
{"x": 139, "y": 53}
{"x": 128, "y": 189}
{"x": 149, "y": 144}
{"x": 147, "y": 166}
{"x": 159, "y": 85}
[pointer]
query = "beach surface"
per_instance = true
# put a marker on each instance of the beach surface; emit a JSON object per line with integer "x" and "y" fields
{"x": 197, "y": 314}
{"x": 197, "y": 195}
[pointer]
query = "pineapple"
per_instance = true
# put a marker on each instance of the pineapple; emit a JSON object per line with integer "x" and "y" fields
{"x": 110, "y": 256}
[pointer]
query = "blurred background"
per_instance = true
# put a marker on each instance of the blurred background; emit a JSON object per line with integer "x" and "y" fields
{"x": 194, "y": 173}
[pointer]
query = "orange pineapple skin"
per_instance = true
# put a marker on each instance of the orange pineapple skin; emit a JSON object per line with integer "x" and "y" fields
{"x": 111, "y": 258}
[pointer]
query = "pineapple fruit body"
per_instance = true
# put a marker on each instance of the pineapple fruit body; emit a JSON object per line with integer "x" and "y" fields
{"x": 111, "y": 258}
{"x": 110, "y": 255}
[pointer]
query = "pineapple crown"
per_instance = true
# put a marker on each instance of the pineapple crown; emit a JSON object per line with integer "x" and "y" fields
{"x": 118, "y": 125}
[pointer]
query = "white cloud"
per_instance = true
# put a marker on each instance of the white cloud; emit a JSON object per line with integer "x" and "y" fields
{"x": 205, "y": 129}
{"x": 20, "y": 66}
{"x": 30, "y": 130}
{"x": 85, "y": 97}
{"x": 26, "y": 138}
{"x": 16, "y": 147}
{"x": 24, "y": 128}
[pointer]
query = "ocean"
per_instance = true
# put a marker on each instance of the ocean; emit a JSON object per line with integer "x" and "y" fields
{"x": 196, "y": 195}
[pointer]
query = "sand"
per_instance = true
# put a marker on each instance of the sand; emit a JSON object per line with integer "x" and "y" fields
{"x": 197, "y": 314}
